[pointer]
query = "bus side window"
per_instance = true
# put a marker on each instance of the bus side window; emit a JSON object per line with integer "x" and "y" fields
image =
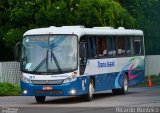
{"x": 128, "y": 45}
{"x": 114, "y": 52}
{"x": 132, "y": 45}
{"x": 142, "y": 46}
{"x": 109, "y": 46}
{"x": 82, "y": 52}
{"x": 102, "y": 46}
{"x": 99, "y": 46}
{"x": 89, "y": 49}
{"x": 137, "y": 45}
{"x": 93, "y": 46}
{"x": 120, "y": 41}
{"x": 112, "y": 46}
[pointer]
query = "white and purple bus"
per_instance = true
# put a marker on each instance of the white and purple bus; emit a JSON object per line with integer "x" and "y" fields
{"x": 74, "y": 61}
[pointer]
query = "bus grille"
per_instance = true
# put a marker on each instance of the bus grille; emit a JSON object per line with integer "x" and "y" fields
{"x": 47, "y": 82}
{"x": 52, "y": 92}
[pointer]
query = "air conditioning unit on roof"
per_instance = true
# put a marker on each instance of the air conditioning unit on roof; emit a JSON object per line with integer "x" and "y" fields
{"x": 78, "y": 26}
{"x": 52, "y": 26}
{"x": 121, "y": 28}
{"x": 103, "y": 27}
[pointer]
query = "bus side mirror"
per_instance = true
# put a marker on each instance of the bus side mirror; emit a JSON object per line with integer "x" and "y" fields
{"x": 17, "y": 51}
{"x": 82, "y": 52}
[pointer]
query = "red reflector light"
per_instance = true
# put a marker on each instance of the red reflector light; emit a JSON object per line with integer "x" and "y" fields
{"x": 47, "y": 88}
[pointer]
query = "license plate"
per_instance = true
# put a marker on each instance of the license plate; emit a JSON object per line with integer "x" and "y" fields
{"x": 46, "y": 88}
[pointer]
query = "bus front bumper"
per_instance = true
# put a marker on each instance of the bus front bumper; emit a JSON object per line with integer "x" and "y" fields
{"x": 66, "y": 89}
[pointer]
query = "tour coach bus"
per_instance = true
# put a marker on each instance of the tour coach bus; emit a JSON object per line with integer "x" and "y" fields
{"x": 74, "y": 60}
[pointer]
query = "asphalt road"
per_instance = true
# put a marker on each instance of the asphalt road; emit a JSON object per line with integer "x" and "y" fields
{"x": 137, "y": 98}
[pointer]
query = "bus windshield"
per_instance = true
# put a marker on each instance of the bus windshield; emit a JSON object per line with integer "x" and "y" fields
{"x": 49, "y": 53}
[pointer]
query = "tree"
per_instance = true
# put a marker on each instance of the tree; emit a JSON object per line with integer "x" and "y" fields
{"x": 52, "y": 14}
{"x": 20, "y": 15}
{"x": 146, "y": 14}
{"x": 103, "y": 13}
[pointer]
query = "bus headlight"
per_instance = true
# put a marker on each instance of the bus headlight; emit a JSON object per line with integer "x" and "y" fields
{"x": 25, "y": 80}
{"x": 25, "y": 91}
{"x": 72, "y": 91}
{"x": 71, "y": 78}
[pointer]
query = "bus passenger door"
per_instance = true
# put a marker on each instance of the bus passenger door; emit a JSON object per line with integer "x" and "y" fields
{"x": 83, "y": 57}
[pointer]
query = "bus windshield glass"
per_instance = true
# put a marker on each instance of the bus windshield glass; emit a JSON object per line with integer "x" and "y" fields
{"x": 49, "y": 53}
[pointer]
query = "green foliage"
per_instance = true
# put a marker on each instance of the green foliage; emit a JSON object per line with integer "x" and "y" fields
{"x": 13, "y": 36}
{"x": 103, "y": 13}
{"x": 17, "y": 16}
{"x": 22, "y": 12}
{"x": 146, "y": 14}
{"x": 7, "y": 89}
{"x": 52, "y": 14}
{"x": 40, "y": 13}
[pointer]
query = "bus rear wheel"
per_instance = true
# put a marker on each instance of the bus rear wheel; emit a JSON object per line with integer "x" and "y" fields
{"x": 40, "y": 99}
{"x": 124, "y": 89}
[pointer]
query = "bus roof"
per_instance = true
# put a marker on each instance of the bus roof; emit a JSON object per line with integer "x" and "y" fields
{"x": 80, "y": 31}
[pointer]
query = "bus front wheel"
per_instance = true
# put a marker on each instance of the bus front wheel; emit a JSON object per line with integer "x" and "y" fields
{"x": 40, "y": 99}
{"x": 89, "y": 95}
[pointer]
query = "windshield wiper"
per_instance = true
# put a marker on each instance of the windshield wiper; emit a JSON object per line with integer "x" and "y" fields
{"x": 39, "y": 65}
{"x": 42, "y": 62}
{"x": 56, "y": 62}
{"x": 46, "y": 59}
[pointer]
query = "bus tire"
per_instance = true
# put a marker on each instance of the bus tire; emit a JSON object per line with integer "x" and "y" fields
{"x": 89, "y": 95}
{"x": 124, "y": 88}
{"x": 40, "y": 99}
